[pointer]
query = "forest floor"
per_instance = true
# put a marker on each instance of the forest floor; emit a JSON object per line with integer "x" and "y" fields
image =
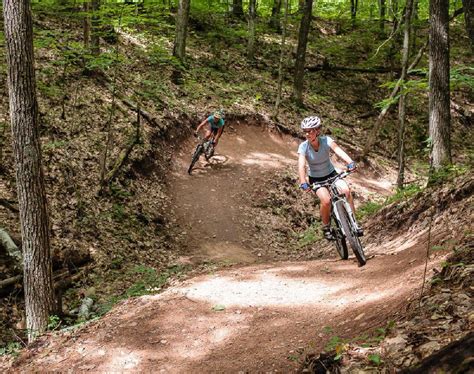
{"x": 252, "y": 314}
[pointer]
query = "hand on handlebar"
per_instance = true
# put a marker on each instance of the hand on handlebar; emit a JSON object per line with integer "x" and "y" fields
{"x": 351, "y": 167}
{"x": 305, "y": 187}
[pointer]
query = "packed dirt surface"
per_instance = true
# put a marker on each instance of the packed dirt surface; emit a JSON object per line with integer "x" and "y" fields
{"x": 257, "y": 316}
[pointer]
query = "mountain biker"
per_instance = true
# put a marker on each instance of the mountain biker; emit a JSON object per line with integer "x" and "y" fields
{"x": 315, "y": 152}
{"x": 215, "y": 125}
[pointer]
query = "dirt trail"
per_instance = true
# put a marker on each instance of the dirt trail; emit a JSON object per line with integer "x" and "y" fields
{"x": 210, "y": 204}
{"x": 253, "y": 318}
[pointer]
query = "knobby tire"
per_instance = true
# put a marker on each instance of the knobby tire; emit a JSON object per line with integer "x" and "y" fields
{"x": 196, "y": 155}
{"x": 341, "y": 244}
{"x": 351, "y": 235}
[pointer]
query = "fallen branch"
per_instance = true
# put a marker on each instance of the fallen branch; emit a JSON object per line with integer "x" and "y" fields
{"x": 10, "y": 281}
{"x": 9, "y": 205}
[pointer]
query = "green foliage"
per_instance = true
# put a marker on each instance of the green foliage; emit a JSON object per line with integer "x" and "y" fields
{"x": 160, "y": 55}
{"x": 367, "y": 209}
{"x": 375, "y": 358}
{"x": 103, "y": 62}
{"x": 118, "y": 212}
{"x": 12, "y": 348}
{"x": 447, "y": 173}
{"x": 149, "y": 281}
{"x": 404, "y": 193}
{"x": 53, "y": 322}
{"x": 50, "y": 146}
{"x": 462, "y": 76}
{"x": 309, "y": 236}
{"x": 116, "y": 190}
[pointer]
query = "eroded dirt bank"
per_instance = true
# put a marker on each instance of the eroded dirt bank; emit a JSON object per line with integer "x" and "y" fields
{"x": 257, "y": 318}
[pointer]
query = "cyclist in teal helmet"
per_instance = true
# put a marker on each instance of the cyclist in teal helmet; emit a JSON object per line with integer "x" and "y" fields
{"x": 215, "y": 124}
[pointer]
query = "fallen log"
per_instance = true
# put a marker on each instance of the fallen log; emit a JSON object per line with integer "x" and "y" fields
{"x": 456, "y": 357}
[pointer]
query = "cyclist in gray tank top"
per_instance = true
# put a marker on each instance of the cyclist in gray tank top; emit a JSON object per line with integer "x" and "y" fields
{"x": 314, "y": 165}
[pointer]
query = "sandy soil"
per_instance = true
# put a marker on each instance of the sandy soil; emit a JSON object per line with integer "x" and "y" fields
{"x": 256, "y": 316}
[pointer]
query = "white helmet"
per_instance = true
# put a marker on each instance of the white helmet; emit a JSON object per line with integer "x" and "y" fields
{"x": 311, "y": 123}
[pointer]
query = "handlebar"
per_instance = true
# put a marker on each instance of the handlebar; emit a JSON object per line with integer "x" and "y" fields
{"x": 330, "y": 181}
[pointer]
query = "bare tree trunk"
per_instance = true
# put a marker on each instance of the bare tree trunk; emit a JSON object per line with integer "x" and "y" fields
{"x": 282, "y": 58}
{"x": 237, "y": 9}
{"x": 468, "y": 6}
{"x": 87, "y": 26}
{"x": 34, "y": 220}
{"x": 403, "y": 96}
{"x": 301, "y": 52}
{"x": 182, "y": 20}
{"x": 439, "y": 109}
{"x": 95, "y": 26}
{"x": 354, "y": 6}
{"x": 275, "y": 17}
{"x": 382, "y": 9}
{"x": 251, "y": 41}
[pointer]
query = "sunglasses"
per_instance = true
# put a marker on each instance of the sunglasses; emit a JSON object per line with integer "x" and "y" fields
{"x": 311, "y": 130}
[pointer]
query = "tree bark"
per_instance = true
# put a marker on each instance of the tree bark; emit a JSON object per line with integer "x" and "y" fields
{"x": 403, "y": 96}
{"x": 86, "y": 25}
{"x": 275, "y": 17}
{"x": 237, "y": 9}
{"x": 468, "y": 6}
{"x": 301, "y": 52}
{"x": 95, "y": 28}
{"x": 182, "y": 20}
{"x": 382, "y": 9}
{"x": 34, "y": 220}
{"x": 251, "y": 41}
{"x": 439, "y": 96}
{"x": 354, "y": 6}
{"x": 282, "y": 58}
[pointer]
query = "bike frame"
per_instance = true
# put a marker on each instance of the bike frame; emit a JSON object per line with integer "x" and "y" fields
{"x": 336, "y": 196}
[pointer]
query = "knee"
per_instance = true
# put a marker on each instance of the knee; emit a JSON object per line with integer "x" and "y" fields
{"x": 325, "y": 202}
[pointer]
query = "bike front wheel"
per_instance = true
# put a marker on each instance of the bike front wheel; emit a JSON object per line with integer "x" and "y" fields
{"x": 340, "y": 240}
{"x": 350, "y": 233}
{"x": 195, "y": 158}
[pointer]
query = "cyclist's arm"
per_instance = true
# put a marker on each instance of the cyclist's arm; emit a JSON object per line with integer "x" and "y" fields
{"x": 340, "y": 153}
{"x": 203, "y": 123}
{"x": 218, "y": 135}
{"x": 302, "y": 168}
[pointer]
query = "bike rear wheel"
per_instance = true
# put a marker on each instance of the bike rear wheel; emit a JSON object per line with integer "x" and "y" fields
{"x": 350, "y": 233}
{"x": 196, "y": 155}
{"x": 341, "y": 244}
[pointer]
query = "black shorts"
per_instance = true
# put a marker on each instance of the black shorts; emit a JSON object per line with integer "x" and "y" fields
{"x": 322, "y": 179}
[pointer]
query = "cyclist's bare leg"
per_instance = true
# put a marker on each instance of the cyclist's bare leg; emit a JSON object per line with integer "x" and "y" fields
{"x": 344, "y": 188}
{"x": 325, "y": 205}
{"x": 208, "y": 133}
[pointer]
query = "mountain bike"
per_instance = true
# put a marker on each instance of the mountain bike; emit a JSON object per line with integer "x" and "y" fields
{"x": 206, "y": 147}
{"x": 345, "y": 226}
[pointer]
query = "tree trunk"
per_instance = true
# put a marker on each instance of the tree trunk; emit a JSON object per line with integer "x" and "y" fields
{"x": 275, "y": 17}
{"x": 237, "y": 9}
{"x": 301, "y": 52}
{"x": 354, "y": 6}
{"x": 439, "y": 114}
{"x": 382, "y": 9}
{"x": 468, "y": 6}
{"x": 34, "y": 220}
{"x": 95, "y": 26}
{"x": 251, "y": 41}
{"x": 403, "y": 96}
{"x": 182, "y": 19}
{"x": 86, "y": 26}
{"x": 282, "y": 58}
